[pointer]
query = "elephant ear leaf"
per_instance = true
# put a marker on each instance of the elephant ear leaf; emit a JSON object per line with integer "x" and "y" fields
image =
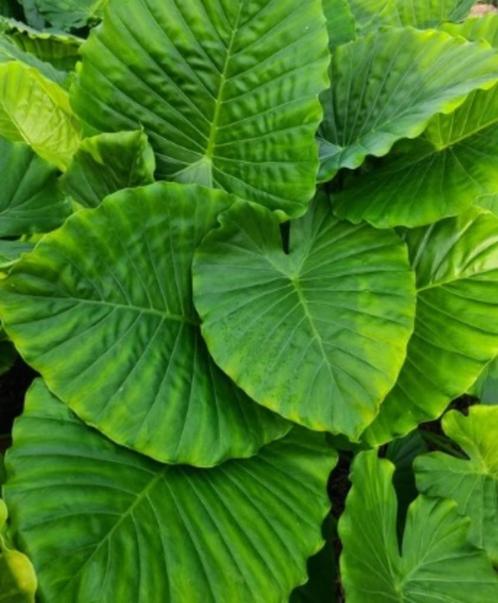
{"x": 238, "y": 532}
{"x": 435, "y": 561}
{"x": 388, "y": 86}
{"x": 226, "y": 90}
{"x": 107, "y": 163}
{"x": 473, "y": 481}
{"x": 36, "y": 110}
{"x": 456, "y": 325}
{"x": 102, "y": 308}
{"x": 18, "y": 581}
{"x": 65, "y": 14}
{"x": 317, "y": 334}
{"x": 486, "y": 387}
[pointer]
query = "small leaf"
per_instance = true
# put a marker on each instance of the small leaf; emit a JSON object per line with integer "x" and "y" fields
{"x": 124, "y": 528}
{"x": 18, "y": 581}
{"x": 456, "y": 326}
{"x": 66, "y": 14}
{"x": 317, "y": 335}
{"x": 103, "y": 309}
{"x": 36, "y": 110}
{"x": 435, "y": 561}
{"x": 471, "y": 482}
{"x": 30, "y": 199}
{"x": 227, "y": 91}
{"x": 108, "y": 163}
{"x": 388, "y": 86}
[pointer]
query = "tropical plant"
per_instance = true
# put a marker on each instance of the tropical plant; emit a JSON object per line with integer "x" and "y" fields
{"x": 246, "y": 246}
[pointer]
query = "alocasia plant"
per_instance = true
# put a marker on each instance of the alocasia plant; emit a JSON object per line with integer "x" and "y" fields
{"x": 245, "y": 244}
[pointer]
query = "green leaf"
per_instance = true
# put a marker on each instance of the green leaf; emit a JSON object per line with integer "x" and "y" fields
{"x": 108, "y": 163}
{"x": 9, "y": 51}
{"x": 317, "y": 335}
{"x": 11, "y": 250}
{"x": 435, "y": 561}
{"x": 30, "y": 199}
{"x": 67, "y": 14}
{"x": 226, "y": 90}
{"x": 484, "y": 28}
{"x": 471, "y": 482}
{"x": 124, "y": 528}
{"x": 60, "y": 50}
{"x": 400, "y": 80}
{"x": 36, "y": 110}
{"x": 486, "y": 387}
{"x": 18, "y": 582}
{"x": 340, "y": 22}
{"x": 436, "y": 176}
{"x": 370, "y": 15}
{"x": 102, "y": 308}
{"x": 489, "y": 202}
{"x": 456, "y": 326}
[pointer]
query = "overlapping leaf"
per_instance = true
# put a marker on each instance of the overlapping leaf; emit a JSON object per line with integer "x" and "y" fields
{"x": 318, "y": 334}
{"x": 36, "y": 110}
{"x": 102, "y": 308}
{"x": 65, "y": 14}
{"x": 456, "y": 326}
{"x": 433, "y": 177}
{"x": 30, "y": 199}
{"x": 471, "y": 482}
{"x": 486, "y": 387}
{"x": 108, "y": 163}
{"x": 435, "y": 561}
{"x": 226, "y": 90}
{"x": 389, "y": 85}
{"x": 124, "y": 528}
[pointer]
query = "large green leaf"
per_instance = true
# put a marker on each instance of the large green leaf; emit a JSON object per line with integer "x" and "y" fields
{"x": 387, "y": 86}
{"x": 30, "y": 200}
{"x": 435, "y": 561}
{"x": 17, "y": 578}
{"x": 471, "y": 482}
{"x": 317, "y": 334}
{"x": 102, "y": 308}
{"x": 60, "y": 50}
{"x": 484, "y": 28}
{"x": 102, "y": 523}
{"x": 227, "y": 90}
{"x": 456, "y": 326}
{"x": 36, "y": 110}
{"x": 108, "y": 163}
{"x": 438, "y": 175}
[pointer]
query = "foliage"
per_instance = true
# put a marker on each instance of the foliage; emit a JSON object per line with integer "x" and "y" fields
{"x": 245, "y": 245}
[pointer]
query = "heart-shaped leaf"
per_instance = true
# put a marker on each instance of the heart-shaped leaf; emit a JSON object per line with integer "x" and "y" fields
{"x": 318, "y": 334}
{"x": 125, "y": 528}
{"x": 456, "y": 326}
{"x": 389, "y": 85}
{"x": 435, "y": 561}
{"x": 472, "y": 482}
{"x": 227, "y": 91}
{"x": 102, "y": 308}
